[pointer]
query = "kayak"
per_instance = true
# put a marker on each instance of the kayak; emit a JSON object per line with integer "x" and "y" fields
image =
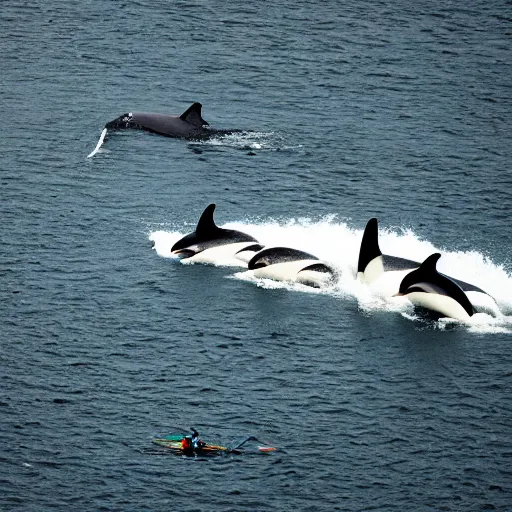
{"x": 173, "y": 442}
{"x": 206, "y": 449}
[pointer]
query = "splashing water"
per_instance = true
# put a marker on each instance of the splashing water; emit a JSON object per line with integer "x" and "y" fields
{"x": 337, "y": 244}
{"x": 247, "y": 140}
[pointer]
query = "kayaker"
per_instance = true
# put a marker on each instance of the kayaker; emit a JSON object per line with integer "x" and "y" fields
{"x": 197, "y": 444}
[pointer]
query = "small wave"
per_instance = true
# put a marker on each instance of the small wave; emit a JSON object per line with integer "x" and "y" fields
{"x": 247, "y": 141}
{"x": 270, "y": 284}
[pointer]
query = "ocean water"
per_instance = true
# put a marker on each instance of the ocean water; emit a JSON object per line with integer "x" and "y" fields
{"x": 400, "y": 111}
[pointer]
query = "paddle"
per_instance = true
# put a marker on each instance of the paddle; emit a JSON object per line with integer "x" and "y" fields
{"x": 265, "y": 448}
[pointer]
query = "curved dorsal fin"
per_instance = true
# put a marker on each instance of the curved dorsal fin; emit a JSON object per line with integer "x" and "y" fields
{"x": 206, "y": 223}
{"x": 193, "y": 115}
{"x": 427, "y": 271}
{"x": 429, "y": 266}
{"x": 369, "y": 245}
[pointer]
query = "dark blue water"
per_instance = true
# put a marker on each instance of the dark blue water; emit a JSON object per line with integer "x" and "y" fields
{"x": 396, "y": 110}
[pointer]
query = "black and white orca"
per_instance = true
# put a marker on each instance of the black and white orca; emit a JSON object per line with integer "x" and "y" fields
{"x": 214, "y": 245}
{"x": 384, "y": 273}
{"x": 286, "y": 264}
{"x": 189, "y": 125}
{"x": 375, "y": 268}
{"x": 427, "y": 288}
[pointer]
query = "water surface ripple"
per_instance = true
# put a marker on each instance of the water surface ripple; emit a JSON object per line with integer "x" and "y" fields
{"x": 400, "y": 111}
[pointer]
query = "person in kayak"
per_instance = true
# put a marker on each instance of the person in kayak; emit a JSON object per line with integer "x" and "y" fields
{"x": 197, "y": 444}
{"x": 191, "y": 444}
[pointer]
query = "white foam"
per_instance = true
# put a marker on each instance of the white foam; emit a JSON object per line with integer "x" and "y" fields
{"x": 245, "y": 140}
{"x": 163, "y": 242}
{"x": 337, "y": 244}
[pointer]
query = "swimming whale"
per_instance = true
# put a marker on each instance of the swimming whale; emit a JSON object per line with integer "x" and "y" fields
{"x": 189, "y": 125}
{"x": 214, "y": 245}
{"x": 427, "y": 288}
{"x": 384, "y": 273}
{"x": 286, "y": 264}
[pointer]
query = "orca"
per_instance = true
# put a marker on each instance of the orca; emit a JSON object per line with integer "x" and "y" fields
{"x": 189, "y": 125}
{"x": 286, "y": 264}
{"x": 427, "y": 288}
{"x": 384, "y": 273}
{"x": 373, "y": 267}
{"x": 213, "y": 245}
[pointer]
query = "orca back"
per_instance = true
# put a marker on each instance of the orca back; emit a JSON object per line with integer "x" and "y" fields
{"x": 274, "y": 255}
{"x": 427, "y": 279}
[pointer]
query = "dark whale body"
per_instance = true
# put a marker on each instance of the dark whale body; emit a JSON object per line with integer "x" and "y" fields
{"x": 189, "y": 125}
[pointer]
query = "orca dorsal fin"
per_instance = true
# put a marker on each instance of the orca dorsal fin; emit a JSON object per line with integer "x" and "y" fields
{"x": 427, "y": 271}
{"x": 206, "y": 223}
{"x": 369, "y": 245}
{"x": 193, "y": 115}
{"x": 429, "y": 266}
